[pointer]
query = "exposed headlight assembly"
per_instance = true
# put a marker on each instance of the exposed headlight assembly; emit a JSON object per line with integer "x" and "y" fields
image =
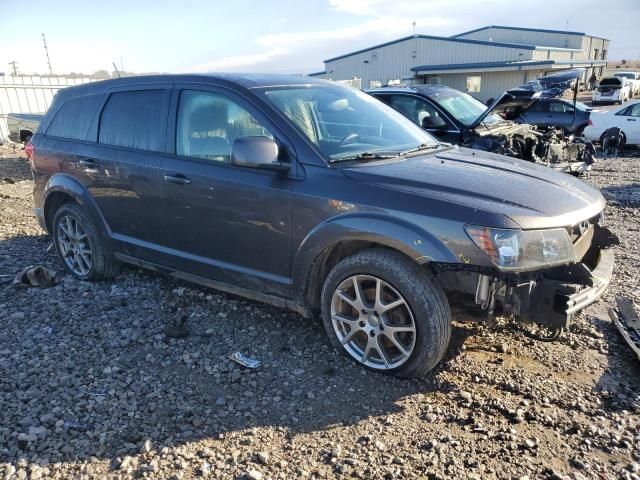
{"x": 523, "y": 249}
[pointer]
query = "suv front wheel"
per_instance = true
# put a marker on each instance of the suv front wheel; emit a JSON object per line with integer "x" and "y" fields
{"x": 386, "y": 312}
{"x": 80, "y": 246}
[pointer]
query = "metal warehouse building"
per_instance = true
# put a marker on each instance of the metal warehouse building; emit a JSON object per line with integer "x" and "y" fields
{"x": 483, "y": 62}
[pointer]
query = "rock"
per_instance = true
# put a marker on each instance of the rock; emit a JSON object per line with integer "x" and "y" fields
{"x": 253, "y": 475}
{"x": 262, "y": 457}
{"x": 147, "y": 446}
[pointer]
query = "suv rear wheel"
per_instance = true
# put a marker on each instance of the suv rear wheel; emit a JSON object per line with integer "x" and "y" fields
{"x": 80, "y": 246}
{"x": 387, "y": 313}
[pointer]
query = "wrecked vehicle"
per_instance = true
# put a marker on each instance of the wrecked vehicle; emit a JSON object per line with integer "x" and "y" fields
{"x": 311, "y": 195}
{"x": 459, "y": 118}
{"x": 22, "y": 125}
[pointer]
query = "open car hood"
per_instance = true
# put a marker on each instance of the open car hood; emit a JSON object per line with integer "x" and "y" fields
{"x": 521, "y": 98}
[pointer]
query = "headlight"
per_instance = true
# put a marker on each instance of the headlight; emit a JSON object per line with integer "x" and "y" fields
{"x": 523, "y": 249}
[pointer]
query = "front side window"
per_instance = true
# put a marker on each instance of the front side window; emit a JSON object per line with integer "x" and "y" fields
{"x": 419, "y": 111}
{"x": 208, "y": 124}
{"x": 463, "y": 107}
{"x": 559, "y": 107}
{"x": 344, "y": 122}
{"x": 135, "y": 119}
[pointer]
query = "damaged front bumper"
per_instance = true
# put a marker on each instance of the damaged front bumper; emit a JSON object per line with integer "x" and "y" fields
{"x": 553, "y": 296}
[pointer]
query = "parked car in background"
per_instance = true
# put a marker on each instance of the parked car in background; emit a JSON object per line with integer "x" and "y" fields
{"x": 22, "y": 126}
{"x": 556, "y": 112}
{"x": 634, "y": 81}
{"x": 308, "y": 194}
{"x": 627, "y": 119}
{"x": 456, "y": 117}
{"x": 611, "y": 90}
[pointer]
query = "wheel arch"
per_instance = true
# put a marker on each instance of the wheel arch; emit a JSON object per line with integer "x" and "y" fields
{"x": 339, "y": 238}
{"x": 61, "y": 189}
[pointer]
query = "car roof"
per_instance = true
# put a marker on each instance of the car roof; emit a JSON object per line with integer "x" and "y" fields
{"x": 246, "y": 80}
{"x": 426, "y": 90}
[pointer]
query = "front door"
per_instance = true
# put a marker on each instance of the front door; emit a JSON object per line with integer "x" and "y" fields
{"x": 227, "y": 223}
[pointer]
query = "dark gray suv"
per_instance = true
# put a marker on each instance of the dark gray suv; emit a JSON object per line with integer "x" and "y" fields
{"x": 317, "y": 197}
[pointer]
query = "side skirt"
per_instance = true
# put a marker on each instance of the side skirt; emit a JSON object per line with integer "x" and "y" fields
{"x": 224, "y": 287}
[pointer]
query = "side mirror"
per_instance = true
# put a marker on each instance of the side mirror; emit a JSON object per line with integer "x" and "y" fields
{"x": 257, "y": 152}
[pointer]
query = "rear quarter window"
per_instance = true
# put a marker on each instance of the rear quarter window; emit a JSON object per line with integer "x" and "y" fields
{"x": 74, "y": 118}
{"x": 135, "y": 119}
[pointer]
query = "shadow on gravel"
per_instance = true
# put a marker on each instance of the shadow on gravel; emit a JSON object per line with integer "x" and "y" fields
{"x": 86, "y": 370}
{"x": 623, "y": 195}
{"x": 17, "y": 169}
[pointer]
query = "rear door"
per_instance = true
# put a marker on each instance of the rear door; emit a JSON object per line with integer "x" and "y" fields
{"x": 224, "y": 222}
{"x": 628, "y": 120}
{"x": 122, "y": 166}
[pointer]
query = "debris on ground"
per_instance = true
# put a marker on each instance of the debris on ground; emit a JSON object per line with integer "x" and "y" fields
{"x": 36, "y": 277}
{"x": 626, "y": 320}
{"x": 246, "y": 362}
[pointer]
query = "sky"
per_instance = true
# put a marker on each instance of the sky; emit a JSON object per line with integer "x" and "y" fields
{"x": 276, "y": 36}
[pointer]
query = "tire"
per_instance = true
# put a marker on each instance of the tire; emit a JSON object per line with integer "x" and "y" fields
{"x": 421, "y": 305}
{"x": 101, "y": 265}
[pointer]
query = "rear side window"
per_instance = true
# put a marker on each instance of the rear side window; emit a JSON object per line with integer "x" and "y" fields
{"x": 74, "y": 117}
{"x": 134, "y": 119}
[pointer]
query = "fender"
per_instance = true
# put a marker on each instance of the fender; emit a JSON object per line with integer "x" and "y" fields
{"x": 408, "y": 238}
{"x": 68, "y": 185}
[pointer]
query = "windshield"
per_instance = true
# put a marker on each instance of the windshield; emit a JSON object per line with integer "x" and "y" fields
{"x": 632, "y": 76}
{"x": 463, "y": 107}
{"x": 346, "y": 123}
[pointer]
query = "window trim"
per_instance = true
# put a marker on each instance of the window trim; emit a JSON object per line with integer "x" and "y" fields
{"x": 241, "y": 100}
{"x": 165, "y": 87}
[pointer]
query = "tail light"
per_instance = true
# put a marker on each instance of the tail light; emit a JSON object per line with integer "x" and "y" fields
{"x": 590, "y": 123}
{"x": 29, "y": 149}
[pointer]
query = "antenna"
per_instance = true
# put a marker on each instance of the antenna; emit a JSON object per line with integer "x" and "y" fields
{"x": 14, "y": 66}
{"x": 114, "y": 66}
{"x": 414, "y": 27}
{"x": 46, "y": 52}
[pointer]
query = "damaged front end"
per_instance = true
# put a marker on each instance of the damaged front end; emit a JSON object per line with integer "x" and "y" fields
{"x": 550, "y": 148}
{"x": 549, "y": 296}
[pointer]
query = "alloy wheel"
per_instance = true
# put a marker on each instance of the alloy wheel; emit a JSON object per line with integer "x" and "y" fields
{"x": 373, "y": 322}
{"x": 74, "y": 245}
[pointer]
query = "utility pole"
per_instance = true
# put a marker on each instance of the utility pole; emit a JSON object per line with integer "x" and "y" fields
{"x": 46, "y": 52}
{"x": 14, "y": 66}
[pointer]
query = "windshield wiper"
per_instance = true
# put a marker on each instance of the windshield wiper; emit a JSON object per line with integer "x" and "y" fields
{"x": 364, "y": 156}
{"x": 420, "y": 148}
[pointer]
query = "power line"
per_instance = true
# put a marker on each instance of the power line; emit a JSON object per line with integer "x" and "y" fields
{"x": 46, "y": 52}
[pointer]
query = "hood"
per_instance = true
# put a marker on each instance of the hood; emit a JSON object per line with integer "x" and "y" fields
{"x": 531, "y": 195}
{"x": 521, "y": 98}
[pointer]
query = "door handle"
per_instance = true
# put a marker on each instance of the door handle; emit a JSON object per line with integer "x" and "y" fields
{"x": 88, "y": 163}
{"x": 631, "y": 119}
{"x": 178, "y": 178}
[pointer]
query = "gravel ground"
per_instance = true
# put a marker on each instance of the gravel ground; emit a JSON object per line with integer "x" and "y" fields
{"x": 92, "y": 387}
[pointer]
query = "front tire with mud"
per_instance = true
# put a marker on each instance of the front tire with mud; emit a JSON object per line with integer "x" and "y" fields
{"x": 386, "y": 312}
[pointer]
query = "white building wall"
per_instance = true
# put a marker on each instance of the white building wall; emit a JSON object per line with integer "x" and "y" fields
{"x": 395, "y": 61}
{"x": 492, "y": 84}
